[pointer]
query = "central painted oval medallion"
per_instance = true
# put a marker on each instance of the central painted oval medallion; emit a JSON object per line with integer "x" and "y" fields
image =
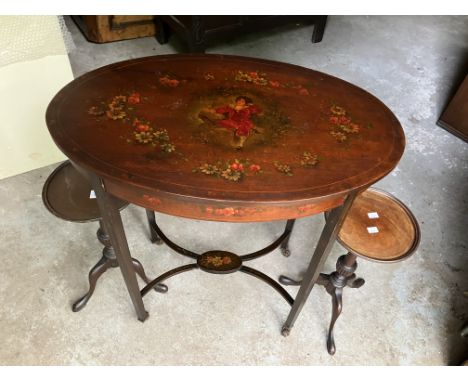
{"x": 219, "y": 262}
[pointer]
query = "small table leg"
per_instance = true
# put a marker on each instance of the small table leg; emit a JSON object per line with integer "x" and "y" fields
{"x": 319, "y": 28}
{"x": 102, "y": 265}
{"x": 334, "y": 284}
{"x": 112, "y": 223}
{"x": 109, "y": 260}
{"x": 324, "y": 246}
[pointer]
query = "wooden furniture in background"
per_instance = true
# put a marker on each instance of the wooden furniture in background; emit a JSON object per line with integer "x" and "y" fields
{"x": 455, "y": 116}
{"x": 102, "y": 29}
{"x": 198, "y": 31}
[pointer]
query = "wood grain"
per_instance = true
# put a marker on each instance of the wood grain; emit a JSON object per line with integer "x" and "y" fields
{"x": 389, "y": 233}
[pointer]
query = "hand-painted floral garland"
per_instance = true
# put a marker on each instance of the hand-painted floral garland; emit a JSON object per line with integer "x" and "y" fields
{"x": 121, "y": 108}
{"x": 259, "y": 78}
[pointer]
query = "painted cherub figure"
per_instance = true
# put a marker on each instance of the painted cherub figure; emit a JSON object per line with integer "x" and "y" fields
{"x": 236, "y": 117}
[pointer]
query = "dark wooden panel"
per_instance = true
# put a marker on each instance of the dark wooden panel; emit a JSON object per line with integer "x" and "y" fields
{"x": 198, "y": 31}
{"x": 455, "y": 116}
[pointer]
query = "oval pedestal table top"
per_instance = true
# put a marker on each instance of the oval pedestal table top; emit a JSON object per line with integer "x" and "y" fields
{"x": 225, "y": 138}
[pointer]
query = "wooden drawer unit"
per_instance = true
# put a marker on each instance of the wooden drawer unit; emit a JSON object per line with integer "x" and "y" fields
{"x": 102, "y": 29}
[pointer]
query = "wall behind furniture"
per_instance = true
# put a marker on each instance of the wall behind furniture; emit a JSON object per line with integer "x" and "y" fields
{"x": 34, "y": 66}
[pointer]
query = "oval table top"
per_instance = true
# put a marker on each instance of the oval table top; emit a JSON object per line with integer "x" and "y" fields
{"x": 224, "y": 137}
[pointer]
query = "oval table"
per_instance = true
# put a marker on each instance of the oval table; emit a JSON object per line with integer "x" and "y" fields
{"x": 224, "y": 138}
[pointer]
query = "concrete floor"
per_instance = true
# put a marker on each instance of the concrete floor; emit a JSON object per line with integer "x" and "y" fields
{"x": 408, "y": 313}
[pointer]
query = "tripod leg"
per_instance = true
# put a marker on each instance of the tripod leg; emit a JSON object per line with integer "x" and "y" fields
{"x": 103, "y": 265}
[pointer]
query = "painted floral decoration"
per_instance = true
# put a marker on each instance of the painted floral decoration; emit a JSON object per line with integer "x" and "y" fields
{"x": 134, "y": 98}
{"x": 252, "y": 77}
{"x": 283, "y": 168}
{"x": 231, "y": 211}
{"x": 145, "y": 134}
{"x": 169, "y": 81}
{"x": 308, "y": 159}
{"x": 261, "y": 79}
{"x": 117, "y": 108}
{"x": 121, "y": 107}
{"x": 343, "y": 125}
{"x": 236, "y": 170}
{"x": 274, "y": 84}
{"x": 232, "y": 171}
{"x": 216, "y": 261}
{"x": 114, "y": 110}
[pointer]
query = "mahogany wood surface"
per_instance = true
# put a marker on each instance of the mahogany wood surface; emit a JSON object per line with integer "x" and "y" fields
{"x": 225, "y": 138}
{"x": 67, "y": 195}
{"x": 379, "y": 227}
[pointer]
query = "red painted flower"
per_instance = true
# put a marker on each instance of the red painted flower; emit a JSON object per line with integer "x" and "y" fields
{"x": 344, "y": 120}
{"x": 274, "y": 84}
{"x": 334, "y": 119}
{"x": 253, "y": 74}
{"x": 254, "y": 167}
{"x": 236, "y": 166}
{"x": 152, "y": 199}
{"x": 228, "y": 211}
{"x": 305, "y": 208}
{"x": 169, "y": 82}
{"x": 136, "y": 122}
{"x": 142, "y": 128}
{"x": 134, "y": 98}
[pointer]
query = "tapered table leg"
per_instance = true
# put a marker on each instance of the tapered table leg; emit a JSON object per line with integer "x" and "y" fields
{"x": 112, "y": 223}
{"x": 324, "y": 246}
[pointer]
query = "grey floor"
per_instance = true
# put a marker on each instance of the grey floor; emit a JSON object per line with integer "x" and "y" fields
{"x": 408, "y": 313}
